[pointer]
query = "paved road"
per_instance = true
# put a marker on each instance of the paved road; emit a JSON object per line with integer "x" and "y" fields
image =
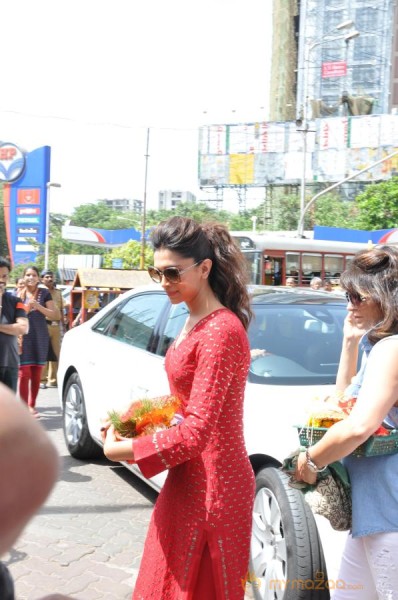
{"x": 88, "y": 538}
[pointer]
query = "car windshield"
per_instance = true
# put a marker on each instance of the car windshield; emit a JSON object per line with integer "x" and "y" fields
{"x": 296, "y": 344}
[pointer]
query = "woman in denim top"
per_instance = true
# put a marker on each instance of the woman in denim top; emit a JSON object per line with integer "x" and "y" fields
{"x": 369, "y": 567}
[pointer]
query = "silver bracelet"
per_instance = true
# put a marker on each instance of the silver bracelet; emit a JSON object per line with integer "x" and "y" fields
{"x": 311, "y": 465}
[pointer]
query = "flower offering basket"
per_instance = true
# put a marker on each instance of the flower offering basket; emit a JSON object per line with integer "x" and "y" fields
{"x": 376, "y": 445}
{"x": 146, "y": 416}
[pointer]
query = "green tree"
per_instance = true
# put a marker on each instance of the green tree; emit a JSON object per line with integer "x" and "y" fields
{"x": 285, "y": 213}
{"x": 92, "y": 215}
{"x": 131, "y": 255}
{"x": 198, "y": 211}
{"x": 101, "y": 216}
{"x": 242, "y": 221}
{"x": 378, "y": 206}
{"x": 201, "y": 212}
{"x": 331, "y": 211}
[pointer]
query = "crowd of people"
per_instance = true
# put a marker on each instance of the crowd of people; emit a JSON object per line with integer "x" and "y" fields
{"x": 210, "y": 483}
{"x": 316, "y": 283}
{"x": 25, "y": 314}
{"x": 31, "y": 328}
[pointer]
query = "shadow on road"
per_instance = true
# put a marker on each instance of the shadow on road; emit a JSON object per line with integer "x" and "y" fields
{"x": 140, "y": 486}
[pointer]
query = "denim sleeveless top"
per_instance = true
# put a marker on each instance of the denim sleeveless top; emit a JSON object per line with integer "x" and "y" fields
{"x": 374, "y": 479}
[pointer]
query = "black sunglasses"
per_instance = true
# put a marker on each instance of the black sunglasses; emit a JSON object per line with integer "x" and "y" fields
{"x": 172, "y": 274}
{"x": 355, "y": 298}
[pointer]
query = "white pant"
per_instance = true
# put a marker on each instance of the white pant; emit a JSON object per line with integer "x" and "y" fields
{"x": 369, "y": 568}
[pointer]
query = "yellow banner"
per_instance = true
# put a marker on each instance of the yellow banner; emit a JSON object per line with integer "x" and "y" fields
{"x": 241, "y": 169}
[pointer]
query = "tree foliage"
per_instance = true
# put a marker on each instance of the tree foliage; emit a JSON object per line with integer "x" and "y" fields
{"x": 378, "y": 206}
{"x": 101, "y": 216}
{"x": 202, "y": 213}
{"x": 130, "y": 253}
{"x": 331, "y": 211}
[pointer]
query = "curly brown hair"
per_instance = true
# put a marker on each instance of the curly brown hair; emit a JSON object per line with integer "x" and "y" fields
{"x": 229, "y": 273}
{"x": 374, "y": 273}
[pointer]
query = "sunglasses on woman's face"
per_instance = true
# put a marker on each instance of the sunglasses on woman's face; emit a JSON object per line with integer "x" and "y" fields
{"x": 172, "y": 274}
{"x": 355, "y": 299}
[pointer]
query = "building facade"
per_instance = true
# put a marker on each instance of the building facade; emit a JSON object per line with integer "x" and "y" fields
{"x": 169, "y": 199}
{"x": 333, "y": 63}
{"x": 124, "y": 204}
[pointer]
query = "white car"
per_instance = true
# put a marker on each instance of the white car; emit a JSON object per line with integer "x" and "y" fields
{"x": 118, "y": 356}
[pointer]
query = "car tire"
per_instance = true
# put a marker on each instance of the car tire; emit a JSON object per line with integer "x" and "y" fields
{"x": 286, "y": 557}
{"x": 77, "y": 436}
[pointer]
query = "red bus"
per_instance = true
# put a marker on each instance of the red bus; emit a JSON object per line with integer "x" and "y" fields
{"x": 272, "y": 258}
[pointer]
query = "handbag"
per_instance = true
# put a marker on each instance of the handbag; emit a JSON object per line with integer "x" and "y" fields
{"x": 330, "y": 496}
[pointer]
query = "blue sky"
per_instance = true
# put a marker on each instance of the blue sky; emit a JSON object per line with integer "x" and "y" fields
{"x": 88, "y": 77}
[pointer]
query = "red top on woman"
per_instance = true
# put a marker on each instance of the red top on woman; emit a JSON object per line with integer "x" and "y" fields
{"x": 208, "y": 495}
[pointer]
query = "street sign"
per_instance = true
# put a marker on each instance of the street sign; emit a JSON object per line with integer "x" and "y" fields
{"x": 334, "y": 69}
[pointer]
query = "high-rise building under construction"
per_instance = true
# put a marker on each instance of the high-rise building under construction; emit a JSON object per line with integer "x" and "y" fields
{"x": 326, "y": 51}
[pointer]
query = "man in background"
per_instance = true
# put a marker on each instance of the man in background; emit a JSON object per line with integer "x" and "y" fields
{"x": 55, "y": 330}
{"x": 13, "y": 323}
{"x": 316, "y": 283}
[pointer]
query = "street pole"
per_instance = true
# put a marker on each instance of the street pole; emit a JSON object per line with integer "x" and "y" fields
{"x": 49, "y": 185}
{"x": 300, "y": 228}
{"x": 304, "y": 128}
{"x": 143, "y": 222}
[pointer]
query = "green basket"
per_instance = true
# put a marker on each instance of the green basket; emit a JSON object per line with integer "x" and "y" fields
{"x": 376, "y": 445}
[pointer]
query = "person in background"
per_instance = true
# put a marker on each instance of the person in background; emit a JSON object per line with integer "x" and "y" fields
{"x": 336, "y": 285}
{"x": 40, "y": 307}
{"x": 13, "y": 324}
{"x": 19, "y": 285}
{"x": 198, "y": 541}
{"x": 327, "y": 286}
{"x": 29, "y": 467}
{"x": 370, "y": 558}
{"x": 55, "y": 332}
{"x": 291, "y": 282}
{"x": 316, "y": 283}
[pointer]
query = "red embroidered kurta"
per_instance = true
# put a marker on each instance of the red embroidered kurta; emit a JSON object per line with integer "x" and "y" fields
{"x": 208, "y": 494}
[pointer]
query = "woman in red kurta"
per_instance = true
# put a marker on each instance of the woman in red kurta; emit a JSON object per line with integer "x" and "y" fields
{"x": 197, "y": 547}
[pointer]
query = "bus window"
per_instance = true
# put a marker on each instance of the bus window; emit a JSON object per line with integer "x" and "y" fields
{"x": 293, "y": 265}
{"x": 311, "y": 267}
{"x": 334, "y": 265}
{"x": 273, "y": 270}
{"x": 254, "y": 260}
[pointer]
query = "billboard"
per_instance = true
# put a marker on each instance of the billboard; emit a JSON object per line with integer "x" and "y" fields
{"x": 25, "y": 201}
{"x": 262, "y": 154}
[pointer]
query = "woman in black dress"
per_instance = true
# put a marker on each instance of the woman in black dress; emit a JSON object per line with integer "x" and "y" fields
{"x": 40, "y": 307}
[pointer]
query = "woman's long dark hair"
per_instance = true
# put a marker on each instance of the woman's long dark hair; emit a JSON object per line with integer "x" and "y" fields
{"x": 374, "y": 273}
{"x": 229, "y": 272}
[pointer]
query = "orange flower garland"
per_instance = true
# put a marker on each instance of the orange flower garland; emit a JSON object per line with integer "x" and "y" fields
{"x": 146, "y": 416}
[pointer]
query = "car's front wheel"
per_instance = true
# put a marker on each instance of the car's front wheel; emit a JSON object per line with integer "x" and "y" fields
{"x": 77, "y": 435}
{"x": 286, "y": 558}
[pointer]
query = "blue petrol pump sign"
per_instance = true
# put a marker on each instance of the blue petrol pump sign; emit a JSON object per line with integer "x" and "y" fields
{"x": 12, "y": 162}
{"x": 25, "y": 177}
